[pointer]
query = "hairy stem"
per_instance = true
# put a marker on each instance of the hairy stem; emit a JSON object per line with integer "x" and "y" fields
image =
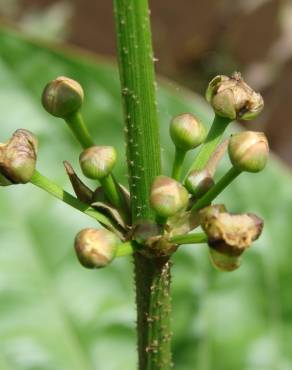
{"x": 152, "y": 276}
{"x": 50, "y": 187}
{"x": 212, "y": 140}
{"x": 216, "y": 189}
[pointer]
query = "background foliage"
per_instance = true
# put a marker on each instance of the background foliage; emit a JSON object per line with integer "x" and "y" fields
{"x": 55, "y": 315}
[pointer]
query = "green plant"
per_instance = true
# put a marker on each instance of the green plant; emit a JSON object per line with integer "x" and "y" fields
{"x": 151, "y": 258}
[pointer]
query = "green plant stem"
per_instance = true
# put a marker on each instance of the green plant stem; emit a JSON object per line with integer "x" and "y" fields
{"x": 194, "y": 238}
{"x": 77, "y": 125}
{"x": 125, "y": 249}
{"x": 178, "y": 163}
{"x": 212, "y": 140}
{"x": 216, "y": 189}
{"x": 50, "y": 187}
{"x": 152, "y": 276}
{"x": 111, "y": 190}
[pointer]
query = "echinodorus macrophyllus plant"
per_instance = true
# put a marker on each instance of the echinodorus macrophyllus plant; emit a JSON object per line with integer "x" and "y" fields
{"x": 157, "y": 213}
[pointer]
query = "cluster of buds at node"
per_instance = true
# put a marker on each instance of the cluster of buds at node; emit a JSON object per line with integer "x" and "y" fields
{"x": 183, "y": 207}
{"x": 180, "y": 205}
{"x": 18, "y": 158}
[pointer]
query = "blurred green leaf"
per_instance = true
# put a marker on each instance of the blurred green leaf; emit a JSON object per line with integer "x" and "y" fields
{"x": 55, "y": 315}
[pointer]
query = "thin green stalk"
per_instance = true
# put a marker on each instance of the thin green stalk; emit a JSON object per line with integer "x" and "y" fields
{"x": 194, "y": 238}
{"x": 125, "y": 249}
{"x": 216, "y": 189}
{"x": 152, "y": 276}
{"x": 50, "y": 187}
{"x": 178, "y": 163}
{"x": 111, "y": 191}
{"x": 79, "y": 129}
{"x": 213, "y": 139}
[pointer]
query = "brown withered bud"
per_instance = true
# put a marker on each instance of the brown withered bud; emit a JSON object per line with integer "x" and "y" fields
{"x": 96, "y": 248}
{"x": 230, "y": 234}
{"x": 224, "y": 262}
{"x": 233, "y": 98}
{"x": 18, "y": 158}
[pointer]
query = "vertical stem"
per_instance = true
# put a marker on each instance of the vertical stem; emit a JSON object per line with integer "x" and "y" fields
{"x": 152, "y": 276}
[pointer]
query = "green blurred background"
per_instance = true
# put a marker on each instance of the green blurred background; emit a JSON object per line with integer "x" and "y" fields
{"x": 55, "y": 315}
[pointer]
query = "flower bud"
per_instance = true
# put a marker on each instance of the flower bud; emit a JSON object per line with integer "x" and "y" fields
{"x": 62, "y": 97}
{"x": 96, "y": 248}
{"x": 187, "y": 132}
{"x": 232, "y": 98}
{"x": 249, "y": 151}
{"x": 168, "y": 196}
{"x": 97, "y": 162}
{"x": 230, "y": 234}
{"x": 18, "y": 158}
{"x": 199, "y": 182}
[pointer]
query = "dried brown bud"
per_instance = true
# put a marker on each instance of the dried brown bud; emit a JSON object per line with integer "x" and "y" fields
{"x": 18, "y": 158}
{"x": 232, "y": 98}
{"x": 96, "y": 248}
{"x": 230, "y": 234}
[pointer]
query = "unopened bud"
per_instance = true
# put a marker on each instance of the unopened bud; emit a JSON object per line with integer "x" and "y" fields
{"x": 96, "y": 248}
{"x": 62, "y": 97}
{"x": 97, "y": 162}
{"x": 199, "y": 182}
{"x": 168, "y": 196}
{"x": 18, "y": 158}
{"x": 232, "y": 98}
{"x": 187, "y": 132}
{"x": 249, "y": 151}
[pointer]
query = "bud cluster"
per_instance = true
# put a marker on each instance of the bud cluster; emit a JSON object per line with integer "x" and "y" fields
{"x": 179, "y": 206}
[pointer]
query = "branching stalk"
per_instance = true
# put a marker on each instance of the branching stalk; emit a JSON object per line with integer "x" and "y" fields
{"x": 213, "y": 139}
{"x": 216, "y": 189}
{"x": 50, "y": 187}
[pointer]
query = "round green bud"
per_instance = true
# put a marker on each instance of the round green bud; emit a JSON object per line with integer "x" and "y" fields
{"x": 62, "y": 97}
{"x": 249, "y": 151}
{"x": 96, "y": 248}
{"x": 224, "y": 262}
{"x": 199, "y": 182}
{"x": 187, "y": 132}
{"x": 168, "y": 196}
{"x": 97, "y": 162}
{"x": 18, "y": 158}
{"x": 232, "y": 98}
